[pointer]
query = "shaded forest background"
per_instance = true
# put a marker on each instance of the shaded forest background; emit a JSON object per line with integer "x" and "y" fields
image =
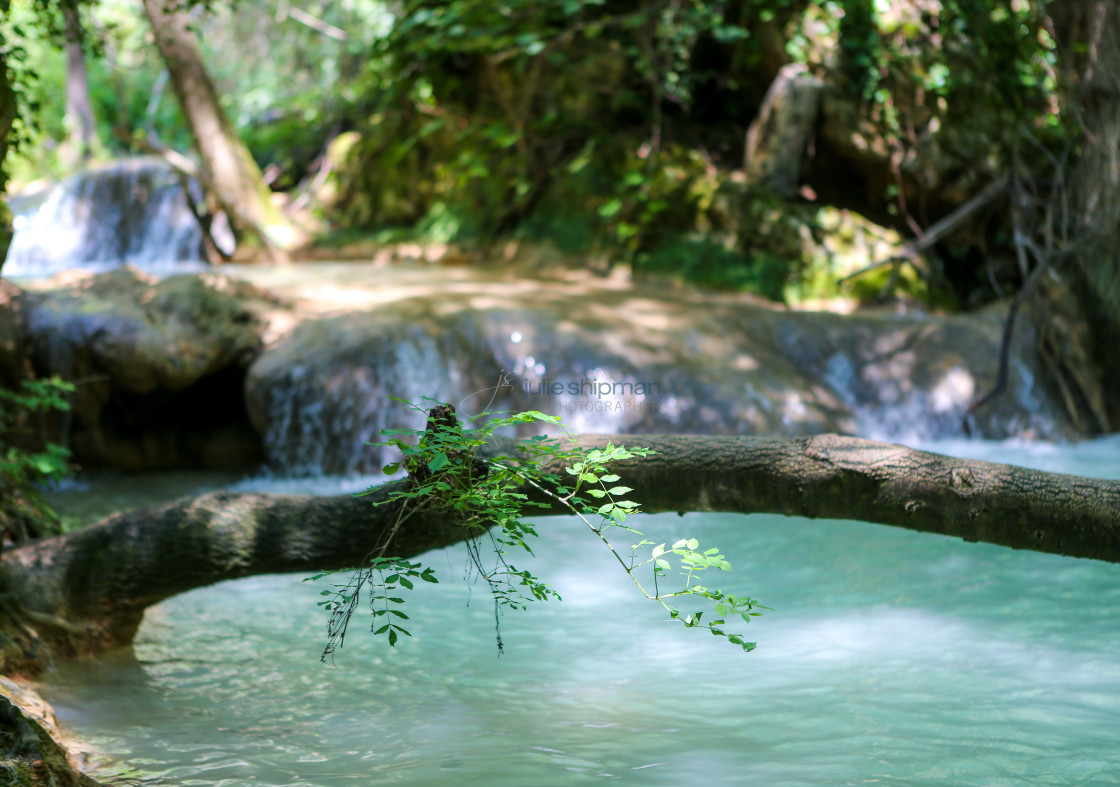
{"x": 746, "y": 144}
{"x": 946, "y": 154}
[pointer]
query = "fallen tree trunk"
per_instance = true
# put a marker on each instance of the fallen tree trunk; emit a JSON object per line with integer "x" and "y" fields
{"x": 88, "y": 590}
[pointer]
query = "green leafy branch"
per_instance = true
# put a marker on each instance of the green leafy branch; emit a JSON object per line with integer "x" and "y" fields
{"x": 593, "y": 478}
{"x": 489, "y": 496}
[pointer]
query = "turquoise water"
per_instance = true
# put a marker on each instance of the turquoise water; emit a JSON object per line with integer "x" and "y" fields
{"x": 893, "y": 658}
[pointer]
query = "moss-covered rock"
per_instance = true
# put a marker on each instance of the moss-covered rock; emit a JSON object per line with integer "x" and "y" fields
{"x": 7, "y": 118}
{"x": 158, "y": 366}
{"x": 6, "y": 232}
{"x": 31, "y": 741}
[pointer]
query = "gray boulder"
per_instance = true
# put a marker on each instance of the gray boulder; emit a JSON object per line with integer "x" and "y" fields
{"x": 158, "y": 366}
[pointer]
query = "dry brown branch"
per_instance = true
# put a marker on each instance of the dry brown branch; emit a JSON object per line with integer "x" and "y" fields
{"x": 940, "y": 229}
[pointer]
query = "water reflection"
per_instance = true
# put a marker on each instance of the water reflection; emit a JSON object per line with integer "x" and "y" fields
{"x": 895, "y": 656}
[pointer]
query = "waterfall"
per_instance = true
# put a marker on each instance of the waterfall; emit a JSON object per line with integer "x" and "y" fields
{"x": 640, "y": 365}
{"x": 131, "y": 211}
{"x": 339, "y": 341}
{"x": 322, "y": 395}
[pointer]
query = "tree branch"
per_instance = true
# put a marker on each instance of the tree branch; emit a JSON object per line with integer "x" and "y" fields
{"x": 939, "y": 230}
{"x": 101, "y": 579}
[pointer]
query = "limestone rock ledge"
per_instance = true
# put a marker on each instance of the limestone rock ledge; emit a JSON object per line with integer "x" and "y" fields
{"x": 30, "y": 742}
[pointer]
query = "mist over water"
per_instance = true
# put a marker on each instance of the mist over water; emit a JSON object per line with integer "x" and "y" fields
{"x": 892, "y": 656}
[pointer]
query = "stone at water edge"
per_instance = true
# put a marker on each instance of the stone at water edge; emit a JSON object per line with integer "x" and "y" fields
{"x": 33, "y": 752}
{"x": 158, "y": 366}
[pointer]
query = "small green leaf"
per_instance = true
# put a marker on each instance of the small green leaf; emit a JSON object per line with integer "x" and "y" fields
{"x": 534, "y": 415}
{"x": 610, "y": 208}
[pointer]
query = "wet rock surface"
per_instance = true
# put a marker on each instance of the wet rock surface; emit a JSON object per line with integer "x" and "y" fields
{"x": 157, "y": 365}
{"x": 618, "y": 360}
{"x": 212, "y": 371}
{"x": 33, "y": 752}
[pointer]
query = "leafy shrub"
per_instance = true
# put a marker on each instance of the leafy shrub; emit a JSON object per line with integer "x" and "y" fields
{"x": 489, "y": 496}
{"x": 23, "y": 512}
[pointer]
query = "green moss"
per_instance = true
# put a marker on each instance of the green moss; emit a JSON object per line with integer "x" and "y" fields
{"x": 15, "y": 773}
{"x": 31, "y": 756}
{"x": 6, "y": 232}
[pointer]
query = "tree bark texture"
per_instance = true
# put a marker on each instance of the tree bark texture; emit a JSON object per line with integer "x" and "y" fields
{"x": 80, "y": 128}
{"x": 7, "y": 118}
{"x": 88, "y": 590}
{"x": 230, "y": 169}
{"x": 778, "y": 137}
{"x": 1088, "y": 33}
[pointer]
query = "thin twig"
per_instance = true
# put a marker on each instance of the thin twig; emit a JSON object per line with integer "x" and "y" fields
{"x": 940, "y": 229}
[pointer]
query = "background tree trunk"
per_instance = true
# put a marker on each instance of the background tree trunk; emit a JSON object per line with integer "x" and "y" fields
{"x": 230, "y": 170}
{"x": 1088, "y": 32}
{"x": 7, "y": 118}
{"x": 88, "y": 590}
{"x": 81, "y": 132}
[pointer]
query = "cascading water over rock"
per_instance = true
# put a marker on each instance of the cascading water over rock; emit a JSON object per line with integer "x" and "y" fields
{"x": 132, "y": 211}
{"x": 687, "y": 364}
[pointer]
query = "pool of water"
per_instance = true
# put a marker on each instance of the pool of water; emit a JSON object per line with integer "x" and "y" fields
{"x": 893, "y": 658}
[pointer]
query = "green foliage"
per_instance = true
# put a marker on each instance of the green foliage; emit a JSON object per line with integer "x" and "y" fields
{"x": 860, "y": 46}
{"x": 23, "y": 513}
{"x": 699, "y": 260}
{"x": 286, "y": 86}
{"x": 18, "y": 105}
{"x": 607, "y": 128}
{"x": 979, "y": 54}
{"x": 291, "y": 76}
{"x": 494, "y": 105}
{"x": 489, "y": 497}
